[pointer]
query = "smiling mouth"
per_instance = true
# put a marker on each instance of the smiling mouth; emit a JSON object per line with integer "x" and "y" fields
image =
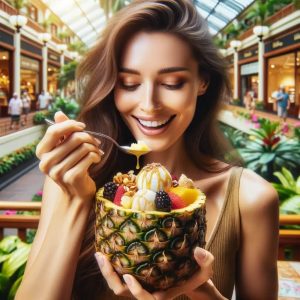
{"x": 155, "y": 124}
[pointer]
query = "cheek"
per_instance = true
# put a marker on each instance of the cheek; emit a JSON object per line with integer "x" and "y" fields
{"x": 182, "y": 101}
{"x": 123, "y": 103}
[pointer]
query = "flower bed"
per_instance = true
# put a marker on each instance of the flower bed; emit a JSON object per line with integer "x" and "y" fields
{"x": 16, "y": 163}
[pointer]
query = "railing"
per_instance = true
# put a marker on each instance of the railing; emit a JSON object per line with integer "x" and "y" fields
{"x": 20, "y": 222}
{"x": 7, "y": 8}
{"x": 289, "y": 239}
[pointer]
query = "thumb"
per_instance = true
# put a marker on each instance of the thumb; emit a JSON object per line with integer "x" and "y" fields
{"x": 204, "y": 259}
{"x": 60, "y": 117}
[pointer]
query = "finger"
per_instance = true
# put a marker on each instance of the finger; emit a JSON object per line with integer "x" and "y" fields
{"x": 113, "y": 280}
{"x": 57, "y": 171}
{"x": 62, "y": 151}
{"x": 136, "y": 289}
{"x": 204, "y": 260}
{"x": 60, "y": 117}
{"x": 55, "y": 132}
{"x": 74, "y": 176}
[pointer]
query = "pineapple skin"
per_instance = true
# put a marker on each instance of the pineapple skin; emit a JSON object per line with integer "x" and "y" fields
{"x": 155, "y": 247}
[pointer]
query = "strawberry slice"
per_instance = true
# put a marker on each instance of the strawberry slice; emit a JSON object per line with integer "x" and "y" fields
{"x": 119, "y": 193}
{"x": 176, "y": 201}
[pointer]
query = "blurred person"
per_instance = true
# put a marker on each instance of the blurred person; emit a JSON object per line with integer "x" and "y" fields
{"x": 283, "y": 103}
{"x": 26, "y": 101}
{"x": 43, "y": 101}
{"x": 249, "y": 101}
{"x": 15, "y": 110}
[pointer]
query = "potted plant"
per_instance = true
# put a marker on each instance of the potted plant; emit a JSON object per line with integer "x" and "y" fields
{"x": 267, "y": 151}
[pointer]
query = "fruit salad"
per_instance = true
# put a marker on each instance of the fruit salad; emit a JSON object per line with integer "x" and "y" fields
{"x": 149, "y": 224}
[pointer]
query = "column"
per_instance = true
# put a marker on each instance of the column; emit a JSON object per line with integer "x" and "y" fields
{"x": 236, "y": 74}
{"x": 235, "y": 44}
{"x": 261, "y": 31}
{"x": 45, "y": 68}
{"x": 62, "y": 63}
{"x": 17, "y": 62}
{"x": 261, "y": 75}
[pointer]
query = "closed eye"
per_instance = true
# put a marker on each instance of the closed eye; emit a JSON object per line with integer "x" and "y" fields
{"x": 176, "y": 86}
{"x": 129, "y": 87}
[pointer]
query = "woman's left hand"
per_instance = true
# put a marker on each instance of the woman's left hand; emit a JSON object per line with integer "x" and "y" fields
{"x": 133, "y": 287}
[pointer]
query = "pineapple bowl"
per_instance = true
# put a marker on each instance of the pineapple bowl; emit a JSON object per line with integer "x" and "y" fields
{"x": 151, "y": 238}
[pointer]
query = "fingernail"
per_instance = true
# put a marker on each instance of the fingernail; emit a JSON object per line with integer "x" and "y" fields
{"x": 101, "y": 152}
{"x": 127, "y": 279}
{"x": 97, "y": 141}
{"x": 99, "y": 259}
{"x": 81, "y": 124}
{"x": 200, "y": 253}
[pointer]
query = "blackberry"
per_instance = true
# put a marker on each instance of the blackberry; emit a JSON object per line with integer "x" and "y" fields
{"x": 110, "y": 190}
{"x": 162, "y": 201}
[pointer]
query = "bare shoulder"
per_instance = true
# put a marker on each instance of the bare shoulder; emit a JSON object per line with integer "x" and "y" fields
{"x": 257, "y": 196}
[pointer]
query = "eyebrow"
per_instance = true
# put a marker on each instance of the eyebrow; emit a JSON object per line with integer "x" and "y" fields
{"x": 161, "y": 71}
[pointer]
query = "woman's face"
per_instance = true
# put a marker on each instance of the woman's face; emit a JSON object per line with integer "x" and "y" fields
{"x": 157, "y": 88}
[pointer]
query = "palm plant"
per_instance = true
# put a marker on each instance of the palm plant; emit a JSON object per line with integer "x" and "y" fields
{"x": 67, "y": 74}
{"x": 78, "y": 46}
{"x": 266, "y": 151}
{"x": 258, "y": 13}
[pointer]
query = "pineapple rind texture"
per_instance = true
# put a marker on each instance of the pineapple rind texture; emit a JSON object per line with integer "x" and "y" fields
{"x": 156, "y": 247}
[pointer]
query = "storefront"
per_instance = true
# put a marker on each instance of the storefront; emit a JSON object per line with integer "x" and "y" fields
{"x": 5, "y": 76}
{"x": 230, "y": 61}
{"x": 30, "y": 76}
{"x": 6, "y": 65}
{"x": 248, "y": 63}
{"x": 31, "y": 69}
{"x": 53, "y": 71}
{"x": 283, "y": 69}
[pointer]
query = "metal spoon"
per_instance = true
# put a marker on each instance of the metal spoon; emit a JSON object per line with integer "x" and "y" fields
{"x": 126, "y": 149}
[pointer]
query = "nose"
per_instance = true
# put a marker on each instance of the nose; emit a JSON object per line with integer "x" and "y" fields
{"x": 149, "y": 101}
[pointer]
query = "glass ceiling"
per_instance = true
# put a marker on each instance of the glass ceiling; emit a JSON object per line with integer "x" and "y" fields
{"x": 86, "y": 18}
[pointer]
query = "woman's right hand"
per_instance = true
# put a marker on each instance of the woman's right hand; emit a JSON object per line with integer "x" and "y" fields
{"x": 66, "y": 153}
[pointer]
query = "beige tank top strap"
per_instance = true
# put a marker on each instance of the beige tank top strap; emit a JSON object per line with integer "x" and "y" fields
{"x": 233, "y": 198}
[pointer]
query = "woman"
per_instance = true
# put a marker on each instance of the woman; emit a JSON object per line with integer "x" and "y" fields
{"x": 155, "y": 76}
{"x": 26, "y": 106}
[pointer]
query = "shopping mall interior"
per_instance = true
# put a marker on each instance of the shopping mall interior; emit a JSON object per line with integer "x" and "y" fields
{"x": 42, "y": 42}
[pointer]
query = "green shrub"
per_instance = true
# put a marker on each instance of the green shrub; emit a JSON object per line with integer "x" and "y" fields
{"x": 13, "y": 257}
{"x": 70, "y": 108}
{"x": 39, "y": 117}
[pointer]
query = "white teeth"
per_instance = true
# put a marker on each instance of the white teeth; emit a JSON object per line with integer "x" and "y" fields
{"x": 153, "y": 123}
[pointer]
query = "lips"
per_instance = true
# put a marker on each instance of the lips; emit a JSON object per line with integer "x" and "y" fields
{"x": 153, "y": 127}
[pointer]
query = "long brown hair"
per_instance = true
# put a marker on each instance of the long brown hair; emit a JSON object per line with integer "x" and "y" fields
{"x": 96, "y": 78}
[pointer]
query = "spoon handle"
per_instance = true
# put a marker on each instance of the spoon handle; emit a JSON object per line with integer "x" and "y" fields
{"x": 49, "y": 122}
